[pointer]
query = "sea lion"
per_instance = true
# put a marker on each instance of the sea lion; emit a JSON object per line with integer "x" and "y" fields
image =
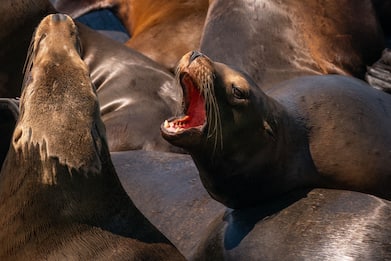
{"x": 250, "y": 146}
{"x": 277, "y": 40}
{"x": 161, "y": 30}
{"x": 60, "y": 197}
{"x": 18, "y": 21}
{"x": 323, "y": 225}
{"x": 135, "y": 93}
{"x": 164, "y": 30}
{"x": 130, "y": 86}
{"x": 9, "y": 112}
{"x": 167, "y": 189}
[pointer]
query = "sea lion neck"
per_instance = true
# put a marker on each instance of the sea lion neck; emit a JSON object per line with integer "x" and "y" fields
{"x": 75, "y": 196}
{"x": 77, "y": 200}
{"x": 38, "y": 175}
{"x": 228, "y": 175}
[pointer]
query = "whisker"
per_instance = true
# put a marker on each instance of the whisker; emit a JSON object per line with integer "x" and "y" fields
{"x": 28, "y": 63}
{"x": 180, "y": 90}
{"x": 214, "y": 120}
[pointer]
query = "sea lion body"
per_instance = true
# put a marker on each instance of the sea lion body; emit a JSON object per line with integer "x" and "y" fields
{"x": 60, "y": 197}
{"x": 135, "y": 93}
{"x": 274, "y": 41}
{"x": 250, "y": 146}
{"x": 164, "y": 30}
{"x": 167, "y": 189}
{"x": 323, "y": 225}
{"x": 161, "y": 30}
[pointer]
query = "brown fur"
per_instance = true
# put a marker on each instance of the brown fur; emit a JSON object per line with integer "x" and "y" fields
{"x": 164, "y": 30}
{"x": 60, "y": 197}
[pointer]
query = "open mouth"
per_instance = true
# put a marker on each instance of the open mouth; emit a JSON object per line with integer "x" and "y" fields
{"x": 194, "y": 108}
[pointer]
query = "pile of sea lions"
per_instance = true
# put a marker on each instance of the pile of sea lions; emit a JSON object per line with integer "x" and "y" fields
{"x": 221, "y": 130}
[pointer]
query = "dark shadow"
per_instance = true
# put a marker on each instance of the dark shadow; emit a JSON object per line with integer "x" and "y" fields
{"x": 9, "y": 112}
{"x": 242, "y": 221}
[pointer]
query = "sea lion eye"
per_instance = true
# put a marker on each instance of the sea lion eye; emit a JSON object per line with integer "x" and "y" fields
{"x": 43, "y": 36}
{"x": 238, "y": 93}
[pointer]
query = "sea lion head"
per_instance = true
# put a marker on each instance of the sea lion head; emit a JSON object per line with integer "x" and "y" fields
{"x": 229, "y": 126}
{"x": 59, "y": 110}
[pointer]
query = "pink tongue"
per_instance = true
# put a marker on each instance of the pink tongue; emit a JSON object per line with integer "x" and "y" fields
{"x": 196, "y": 108}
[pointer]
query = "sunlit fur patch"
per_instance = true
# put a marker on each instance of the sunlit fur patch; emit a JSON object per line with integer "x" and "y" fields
{"x": 59, "y": 110}
{"x": 79, "y": 155}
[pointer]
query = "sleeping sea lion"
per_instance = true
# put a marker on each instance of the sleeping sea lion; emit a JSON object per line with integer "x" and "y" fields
{"x": 249, "y": 146}
{"x": 60, "y": 197}
{"x": 324, "y": 224}
{"x": 277, "y": 40}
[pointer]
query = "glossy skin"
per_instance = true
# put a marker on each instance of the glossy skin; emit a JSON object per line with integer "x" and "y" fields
{"x": 300, "y": 134}
{"x": 274, "y": 41}
{"x": 58, "y": 188}
{"x": 166, "y": 188}
{"x": 162, "y": 30}
{"x": 135, "y": 93}
{"x": 136, "y": 82}
{"x": 324, "y": 225}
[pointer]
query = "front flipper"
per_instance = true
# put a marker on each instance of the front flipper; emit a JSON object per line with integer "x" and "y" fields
{"x": 379, "y": 74}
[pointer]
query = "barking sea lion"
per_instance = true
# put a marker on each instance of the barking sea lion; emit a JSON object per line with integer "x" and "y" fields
{"x": 316, "y": 131}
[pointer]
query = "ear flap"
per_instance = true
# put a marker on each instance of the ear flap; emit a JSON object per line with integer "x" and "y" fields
{"x": 268, "y": 129}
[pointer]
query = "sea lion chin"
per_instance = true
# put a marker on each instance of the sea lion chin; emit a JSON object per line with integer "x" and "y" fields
{"x": 60, "y": 196}
{"x": 250, "y": 146}
{"x": 65, "y": 73}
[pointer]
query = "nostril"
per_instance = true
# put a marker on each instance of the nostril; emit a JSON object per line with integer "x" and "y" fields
{"x": 194, "y": 55}
{"x": 59, "y": 17}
